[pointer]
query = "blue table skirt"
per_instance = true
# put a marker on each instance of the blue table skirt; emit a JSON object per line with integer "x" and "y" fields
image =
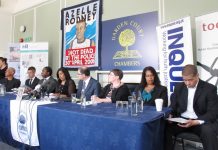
{"x": 5, "y": 126}
{"x": 65, "y": 126}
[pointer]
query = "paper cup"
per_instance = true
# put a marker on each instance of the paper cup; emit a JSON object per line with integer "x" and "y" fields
{"x": 159, "y": 104}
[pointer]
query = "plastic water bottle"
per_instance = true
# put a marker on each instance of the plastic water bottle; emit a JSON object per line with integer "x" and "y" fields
{"x": 2, "y": 90}
{"x": 83, "y": 102}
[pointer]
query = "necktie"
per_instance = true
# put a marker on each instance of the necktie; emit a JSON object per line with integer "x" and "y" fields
{"x": 30, "y": 81}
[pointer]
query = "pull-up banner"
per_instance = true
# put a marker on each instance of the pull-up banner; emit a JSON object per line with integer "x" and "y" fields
{"x": 80, "y": 27}
{"x": 175, "y": 51}
{"x": 207, "y": 47}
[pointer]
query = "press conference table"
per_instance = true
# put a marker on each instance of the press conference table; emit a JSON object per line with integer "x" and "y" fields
{"x": 66, "y": 126}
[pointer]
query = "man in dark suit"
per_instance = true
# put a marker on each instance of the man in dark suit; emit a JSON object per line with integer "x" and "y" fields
{"x": 48, "y": 84}
{"x": 196, "y": 101}
{"x": 33, "y": 80}
{"x": 87, "y": 85}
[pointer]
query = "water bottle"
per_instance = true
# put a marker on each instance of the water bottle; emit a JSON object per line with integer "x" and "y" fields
{"x": 83, "y": 102}
{"x": 2, "y": 90}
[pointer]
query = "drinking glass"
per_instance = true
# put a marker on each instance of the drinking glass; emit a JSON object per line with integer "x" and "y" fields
{"x": 140, "y": 105}
{"x": 130, "y": 98}
{"x": 93, "y": 100}
{"x": 134, "y": 108}
{"x": 73, "y": 97}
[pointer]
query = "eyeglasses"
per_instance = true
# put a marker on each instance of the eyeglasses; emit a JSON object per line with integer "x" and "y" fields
{"x": 111, "y": 74}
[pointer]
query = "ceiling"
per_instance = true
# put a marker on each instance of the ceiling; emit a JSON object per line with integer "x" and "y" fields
{"x": 7, "y": 5}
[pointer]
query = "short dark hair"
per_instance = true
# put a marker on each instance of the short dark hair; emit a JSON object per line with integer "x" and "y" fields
{"x": 32, "y": 68}
{"x": 153, "y": 71}
{"x": 85, "y": 71}
{"x": 117, "y": 72}
{"x": 190, "y": 70}
{"x": 48, "y": 69}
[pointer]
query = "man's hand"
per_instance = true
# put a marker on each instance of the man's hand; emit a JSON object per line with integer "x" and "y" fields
{"x": 189, "y": 123}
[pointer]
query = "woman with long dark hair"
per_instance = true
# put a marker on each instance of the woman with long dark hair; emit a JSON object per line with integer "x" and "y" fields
{"x": 66, "y": 86}
{"x": 150, "y": 87}
{"x": 3, "y": 67}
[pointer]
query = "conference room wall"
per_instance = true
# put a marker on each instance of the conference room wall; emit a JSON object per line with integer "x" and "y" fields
{"x": 5, "y": 32}
{"x": 174, "y": 9}
{"x": 45, "y": 20}
{"x": 42, "y": 25}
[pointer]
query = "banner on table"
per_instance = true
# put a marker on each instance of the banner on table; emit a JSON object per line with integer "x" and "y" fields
{"x": 207, "y": 47}
{"x": 23, "y": 115}
{"x": 130, "y": 43}
{"x": 80, "y": 27}
{"x": 33, "y": 54}
{"x": 175, "y": 51}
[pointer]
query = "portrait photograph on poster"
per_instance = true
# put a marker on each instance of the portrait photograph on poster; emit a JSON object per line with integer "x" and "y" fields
{"x": 80, "y": 28}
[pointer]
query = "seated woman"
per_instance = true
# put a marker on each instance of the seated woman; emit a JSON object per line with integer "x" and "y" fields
{"x": 66, "y": 86}
{"x": 150, "y": 87}
{"x": 115, "y": 90}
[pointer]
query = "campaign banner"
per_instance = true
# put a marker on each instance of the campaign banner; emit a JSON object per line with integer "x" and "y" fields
{"x": 33, "y": 54}
{"x": 207, "y": 47}
{"x": 80, "y": 28}
{"x": 130, "y": 43}
{"x": 175, "y": 51}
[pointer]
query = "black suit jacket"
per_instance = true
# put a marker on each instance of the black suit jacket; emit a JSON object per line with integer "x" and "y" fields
{"x": 10, "y": 84}
{"x": 93, "y": 88}
{"x": 205, "y": 101}
{"x": 158, "y": 92}
{"x": 118, "y": 94}
{"x": 49, "y": 85}
{"x": 34, "y": 83}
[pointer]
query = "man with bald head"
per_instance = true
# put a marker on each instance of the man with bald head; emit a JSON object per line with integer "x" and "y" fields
{"x": 9, "y": 81}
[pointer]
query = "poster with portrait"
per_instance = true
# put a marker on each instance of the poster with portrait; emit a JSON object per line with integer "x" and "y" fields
{"x": 207, "y": 47}
{"x": 130, "y": 43}
{"x": 80, "y": 28}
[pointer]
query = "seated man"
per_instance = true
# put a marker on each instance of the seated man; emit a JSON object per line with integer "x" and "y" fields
{"x": 87, "y": 85}
{"x": 9, "y": 81}
{"x": 195, "y": 100}
{"x": 48, "y": 84}
{"x": 33, "y": 80}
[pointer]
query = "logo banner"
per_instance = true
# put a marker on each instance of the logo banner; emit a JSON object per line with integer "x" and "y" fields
{"x": 80, "y": 27}
{"x": 207, "y": 47}
{"x": 175, "y": 51}
{"x": 130, "y": 43}
{"x": 24, "y": 121}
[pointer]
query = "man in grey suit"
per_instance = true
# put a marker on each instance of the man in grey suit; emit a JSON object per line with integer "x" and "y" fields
{"x": 196, "y": 101}
{"x": 48, "y": 83}
{"x": 87, "y": 85}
